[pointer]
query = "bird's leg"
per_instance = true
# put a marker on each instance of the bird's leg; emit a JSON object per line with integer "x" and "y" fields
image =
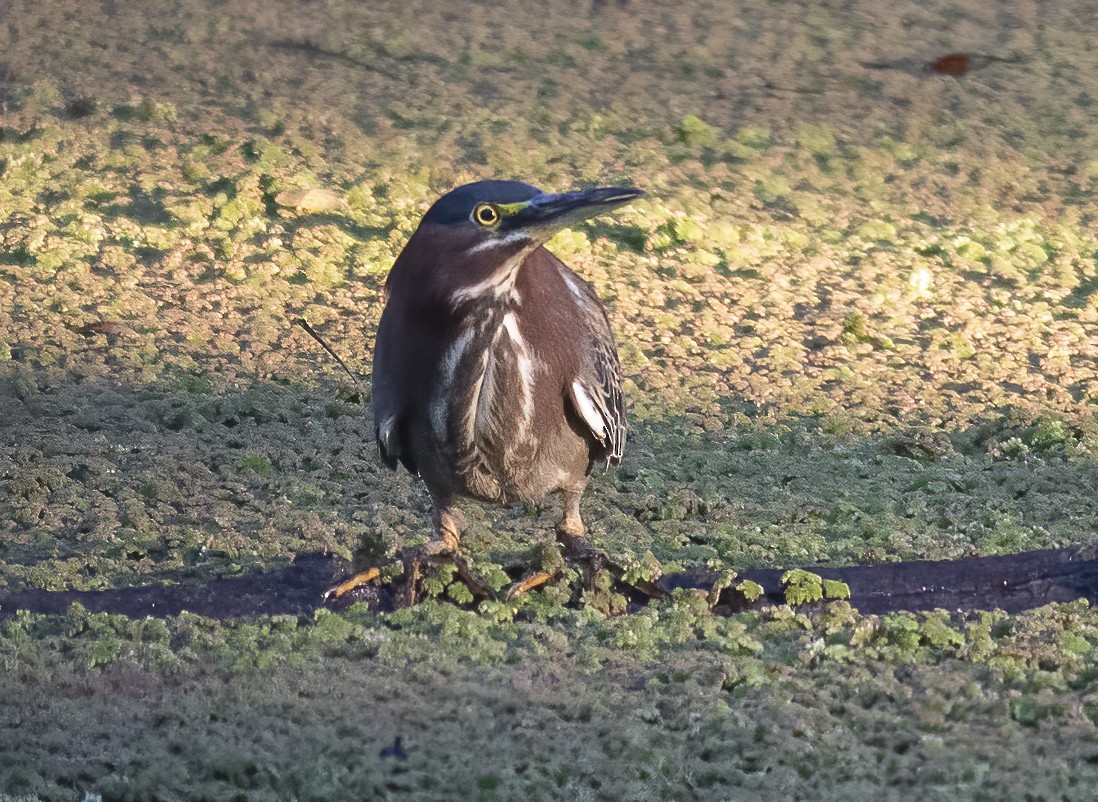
{"x": 449, "y": 524}
{"x": 570, "y": 534}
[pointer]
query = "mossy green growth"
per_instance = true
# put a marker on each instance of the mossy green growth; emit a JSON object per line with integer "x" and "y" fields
{"x": 724, "y": 581}
{"x": 877, "y": 231}
{"x": 753, "y": 136}
{"x": 645, "y": 568}
{"x": 256, "y": 462}
{"x": 855, "y": 329}
{"x": 568, "y": 244}
{"x": 601, "y": 597}
{"x": 938, "y": 633}
{"x": 752, "y": 591}
{"x": 1046, "y": 433}
{"x": 817, "y": 139}
{"x": 695, "y": 131}
{"x": 676, "y": 232}
{"x": 438, "y": 579}
{"x": 772, "y": 188}
{"x": 902, "y": 151}
{"x": 802, "y": 587}
{"x": 834, "y": 589}
{"x": 150, "y": 110}
{"x": 42, "y": 96}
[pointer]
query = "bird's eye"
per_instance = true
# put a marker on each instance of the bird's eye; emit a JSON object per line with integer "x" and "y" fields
{"x": 486, "y": 214}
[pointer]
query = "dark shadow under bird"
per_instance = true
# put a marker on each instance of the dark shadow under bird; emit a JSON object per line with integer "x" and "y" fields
{"x": 496, "y": 376}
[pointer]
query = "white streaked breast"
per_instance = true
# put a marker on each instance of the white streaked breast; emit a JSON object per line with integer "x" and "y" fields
{"x": 524, "y": 364}
{"x": 501, "y": 282}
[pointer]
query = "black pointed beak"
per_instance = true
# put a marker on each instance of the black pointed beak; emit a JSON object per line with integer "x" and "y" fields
{"x": 546, "y": 214}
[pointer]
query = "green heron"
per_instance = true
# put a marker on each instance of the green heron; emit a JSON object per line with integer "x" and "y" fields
{"x": 496, "y": 377}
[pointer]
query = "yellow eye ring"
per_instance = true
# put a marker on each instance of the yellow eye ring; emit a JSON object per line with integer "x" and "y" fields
{"x": 486, "y": 214}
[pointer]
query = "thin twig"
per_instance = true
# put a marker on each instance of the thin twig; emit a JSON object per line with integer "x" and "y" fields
{"x": 312, "y": 333}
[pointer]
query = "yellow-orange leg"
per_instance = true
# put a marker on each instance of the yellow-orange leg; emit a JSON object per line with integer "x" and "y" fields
{"x": 449, "y": 523}
{"x": 356, "y": 581}
{"x": 528, "y": 583}
{"x": 575, "y": 546}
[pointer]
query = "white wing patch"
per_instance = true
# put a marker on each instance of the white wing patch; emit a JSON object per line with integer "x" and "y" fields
{"x": 576, "y": 291}
{"x": 589, "y": 412}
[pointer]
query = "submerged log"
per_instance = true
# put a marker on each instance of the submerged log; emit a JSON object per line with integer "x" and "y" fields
{"x": 1012, "y": 583}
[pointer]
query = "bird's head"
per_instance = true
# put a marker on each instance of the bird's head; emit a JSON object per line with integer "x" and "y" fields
{"x": 474, "y": 235}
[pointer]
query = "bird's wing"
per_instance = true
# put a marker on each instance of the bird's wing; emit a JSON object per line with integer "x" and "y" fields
{"x": 386, "y": 420}
{"x": 595, "y": 390}
{"x": 387, "y": 396}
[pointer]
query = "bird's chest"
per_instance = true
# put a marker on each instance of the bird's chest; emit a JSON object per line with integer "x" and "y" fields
{"x": 483, "y": 410}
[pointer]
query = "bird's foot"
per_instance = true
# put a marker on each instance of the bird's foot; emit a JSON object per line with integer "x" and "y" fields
{"x": 600, "y": 573}
{"x": 409, "y": 577}
{"x": 578, "y": 549}
{"x": 357, "y": 581}
{"x": 529, "y": 582}
{"x": 414, "y": 561}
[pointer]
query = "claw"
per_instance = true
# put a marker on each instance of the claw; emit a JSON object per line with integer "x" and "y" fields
{"x": 356, "y": 581}
{"x": 578, "y": 548}
{"x": 528, "y": 583}
{"x": 574, "y": 546}
{"x": 477, "y": 586}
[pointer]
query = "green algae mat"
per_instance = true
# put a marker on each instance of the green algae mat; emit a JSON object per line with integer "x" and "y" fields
{"x": 858, "y": 315}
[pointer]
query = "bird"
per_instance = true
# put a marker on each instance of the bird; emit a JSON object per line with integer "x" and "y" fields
{"x": 496, "y": 376}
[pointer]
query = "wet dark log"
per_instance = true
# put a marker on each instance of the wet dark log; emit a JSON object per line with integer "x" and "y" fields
{"x": 1013, "y": 583}
{"x": 294, "y": 590}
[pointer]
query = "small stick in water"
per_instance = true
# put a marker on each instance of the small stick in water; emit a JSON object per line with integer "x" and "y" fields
{"x": 312, "y": 333}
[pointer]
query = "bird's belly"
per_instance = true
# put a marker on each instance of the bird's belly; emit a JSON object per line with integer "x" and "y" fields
{"x": 524, "y": 469}
{"x": 490, "y": 433}
{"x": 488, "y": 420}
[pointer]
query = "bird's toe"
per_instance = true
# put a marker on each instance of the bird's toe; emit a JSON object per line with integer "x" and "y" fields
{"x": 529, "y": 582}
{"x": 360, "y": 579}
